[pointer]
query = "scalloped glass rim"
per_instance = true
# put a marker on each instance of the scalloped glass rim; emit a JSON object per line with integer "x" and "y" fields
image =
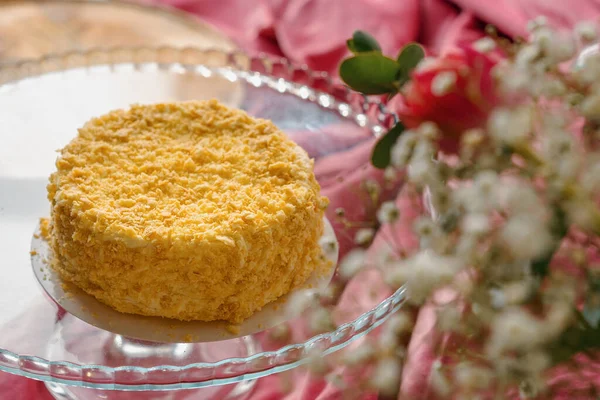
{"x": 261, "y": 70}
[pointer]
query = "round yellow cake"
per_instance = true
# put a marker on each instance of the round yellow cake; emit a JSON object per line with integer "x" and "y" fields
{"x": 190, "y": 210}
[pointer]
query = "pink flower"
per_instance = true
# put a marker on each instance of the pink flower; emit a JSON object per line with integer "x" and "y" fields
{"x": 455, "y": 90}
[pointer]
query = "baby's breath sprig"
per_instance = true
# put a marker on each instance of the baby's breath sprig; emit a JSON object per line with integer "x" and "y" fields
{"x": 512, "y": 184}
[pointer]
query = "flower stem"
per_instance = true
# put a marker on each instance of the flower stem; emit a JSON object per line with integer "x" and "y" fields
{"x": 559, "y": 228}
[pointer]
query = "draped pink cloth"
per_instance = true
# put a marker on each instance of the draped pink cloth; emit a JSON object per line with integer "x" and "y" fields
{"x": 314, "y": 32}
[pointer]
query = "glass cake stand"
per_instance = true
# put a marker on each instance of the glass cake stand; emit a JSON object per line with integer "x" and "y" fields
{"x": 42, "y": 103}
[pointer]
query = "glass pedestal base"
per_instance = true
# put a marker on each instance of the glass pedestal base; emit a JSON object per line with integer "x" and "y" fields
{"x": 118, "y": 350}
{"x": 236, "y": 391}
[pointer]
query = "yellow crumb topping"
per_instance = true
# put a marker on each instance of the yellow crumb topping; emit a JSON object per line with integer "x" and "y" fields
{"x": 45, "y": 228}
{"x": 187, "y": 210}
{"x": 233, "y": 329}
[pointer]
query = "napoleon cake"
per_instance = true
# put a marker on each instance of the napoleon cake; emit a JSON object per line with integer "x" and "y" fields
{"x": 191, "y": 211}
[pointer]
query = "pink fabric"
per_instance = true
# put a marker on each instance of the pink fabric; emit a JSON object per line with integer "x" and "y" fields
{"x": 313, "y": 32}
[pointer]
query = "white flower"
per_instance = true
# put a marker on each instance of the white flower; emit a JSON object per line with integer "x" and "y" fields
{"x": 386, "y": 376}
{"x": 519, "y": 78}
{"x": 320, "y": 320}
{"x": 469, "y": 376}
{"x": 532, "y": 366}
{"x": 403, "y": 149}
{"x": 384, "y": 254}
{"x": 468, "y": 198}
{"x": 429, "y": 130}
{"x": 553, "y": 88}
{"x": 556, "y": 47}
{"x": 336, "y": 379}
{"x": 372, "y": 187}
{"x": 280, "y": 332}
{"x": 554, "y": 122}
{"x": 389, "y": 174}
{"x": 536, "y": 362}
{"x": 423, "y": 150}
{"x": 527, "y": 55}
{"x": 511, "y": 127}
{"x": 364, "y": 236}
{"x": 399, "y": 323}
{"x": 449, "y": 319}
{"x": 396, "y": 273}
{"x": 485, "y": 45}
{"x": 421, "y": 172}
{"x": 497, "y": 298}
{"x": 439, "y": 381}
{"x": 425, "y": 227}
{"x": 473, "y": 137}
{"x": 520, "y": 198}
{"x": 352, "y": 263}
{"x": 586, "y": 31}
{"x": 590, "y": 107}
{"x": 536, "y": 23}
{"x": 514, "y": 330}
{"x": 443, "y": 83}
{"x": 439, "y": 201}
{"x": 588, "y": 68}
{"x": 567, "y": 166}
{"x": 531, "y": 388}
{"x": 328, "y": 244}
{"x": 359, "y": 356}
{"x": 464, "y": 285}
{"x": 301, "y": 301}
{"x": 564, "y": 291}
{"x": 467, "y": 246}
{"x": 506, "y": 270}
{"x": 387, "y": 342}
{"x": 422, "y": 273}
{"x": 481, "y": 196}
{"x": 563, "y": 49}
{"x": 518, "y": 292}
{"x": 430, "y": 234}
{"x": 526, "y": 237}
{"x": 582, "y": 212}
{"x": 476, "y": 224}
{"x": 477, "y": 309}
{"x": 543, "y": 36}
{"x": 486, "y": 182}
{"x": 388, "y": 213}
{"x": 558, "y": 318}
{"x": 427, "y": 63}
{"x": 330, "y": 292}
{"x": 317, "y": 364}
{"x": 590, "y": 180}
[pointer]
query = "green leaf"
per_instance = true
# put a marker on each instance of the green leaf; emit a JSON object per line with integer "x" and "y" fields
{"x": 362, "y": 42}
{"x": 370, "y": 73}
{"x": 351, "y": 46}
{"x": 381, "y": 156}
{"x": 409, "y": 57}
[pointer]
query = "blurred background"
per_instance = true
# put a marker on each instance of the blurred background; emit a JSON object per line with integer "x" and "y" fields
{"x": 32, "y": 29}
{"x": 311, "y": 32}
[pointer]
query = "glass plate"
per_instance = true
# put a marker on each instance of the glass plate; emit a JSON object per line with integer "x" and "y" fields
{"x": 43, "y": 102}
